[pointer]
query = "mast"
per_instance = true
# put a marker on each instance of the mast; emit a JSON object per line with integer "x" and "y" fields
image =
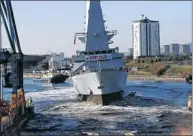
{"x": 95, "y": 37}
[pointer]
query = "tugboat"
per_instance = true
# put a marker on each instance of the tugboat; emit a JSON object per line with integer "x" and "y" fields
{"x": 99, "y": 72}
{"x": 59, "y": 78}
{"x": 54, "y": 78}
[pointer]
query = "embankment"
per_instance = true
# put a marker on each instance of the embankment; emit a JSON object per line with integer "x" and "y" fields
{"x": 130, "y": 77}
{"x": 30, "y": 75}
{"x": 155, "y": 78}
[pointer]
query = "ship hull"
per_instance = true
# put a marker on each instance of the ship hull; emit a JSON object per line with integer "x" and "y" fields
{"x": 100, "y": 87}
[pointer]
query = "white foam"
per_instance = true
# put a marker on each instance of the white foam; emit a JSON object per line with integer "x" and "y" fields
{"x": 69, "y": 93}
{"x": 62, "y": 101}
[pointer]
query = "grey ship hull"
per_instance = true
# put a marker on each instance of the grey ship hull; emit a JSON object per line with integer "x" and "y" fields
{"x": 100, "y": 87}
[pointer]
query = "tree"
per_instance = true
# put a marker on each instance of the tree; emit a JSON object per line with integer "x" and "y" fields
{"x": 162, "y": 69}
{"x": 159, "y": 59}
{"x": 45, "y": 66}
{"x": 151, "y": 61}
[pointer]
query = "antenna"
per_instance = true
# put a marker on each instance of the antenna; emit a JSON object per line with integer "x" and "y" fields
{"x": 142, "y": 16}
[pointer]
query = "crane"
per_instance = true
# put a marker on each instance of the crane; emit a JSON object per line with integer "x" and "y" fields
{"x": 14, "y": 57}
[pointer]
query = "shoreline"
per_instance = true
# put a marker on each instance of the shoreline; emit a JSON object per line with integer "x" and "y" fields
{"x": 30, "y": 75}
{"x": 130, "y": 77}
{"x": 155, "y": 78}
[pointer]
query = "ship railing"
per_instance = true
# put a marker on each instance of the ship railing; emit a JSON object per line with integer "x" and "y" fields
{"x": 80, "y": 34}
{"x": 112, "y": 32}
{"x": 96, "y": 70}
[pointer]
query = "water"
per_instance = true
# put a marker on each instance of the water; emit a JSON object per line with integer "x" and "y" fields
{"x": 159, "y": 108}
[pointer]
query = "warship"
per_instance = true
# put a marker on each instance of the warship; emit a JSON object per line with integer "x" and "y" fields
{"x": 98, "y": 73}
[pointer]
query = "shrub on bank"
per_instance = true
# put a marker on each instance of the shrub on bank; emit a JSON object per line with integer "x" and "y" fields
{"x": 162, "y": 70}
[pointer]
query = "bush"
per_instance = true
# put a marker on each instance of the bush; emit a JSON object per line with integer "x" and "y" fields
{"x": 162, "y": 69}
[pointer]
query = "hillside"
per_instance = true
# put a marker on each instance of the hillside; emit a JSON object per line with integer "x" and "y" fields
{"x": 161, "y": 68}
{"x": 31, "y": 61}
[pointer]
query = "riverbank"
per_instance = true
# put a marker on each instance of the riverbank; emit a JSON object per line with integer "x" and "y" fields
{"x": 130, "y": 77}
{"x": 38, "y": 75}
{"x": 155, "y": 78}
{"x": 30, "y": 75}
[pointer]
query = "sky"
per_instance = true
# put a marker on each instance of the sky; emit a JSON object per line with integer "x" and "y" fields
{"x": 50, "y": 25}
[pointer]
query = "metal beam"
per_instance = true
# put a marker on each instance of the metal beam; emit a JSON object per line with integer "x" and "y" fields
{"x": 14, "y": 26}
{"x": 10, "y": 23}
{"x": 4, "y": 7}
{"x": 16, "y": 58}
{"x": 3, "y": 10}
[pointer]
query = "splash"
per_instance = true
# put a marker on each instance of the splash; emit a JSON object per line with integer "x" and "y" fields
{"x": 61, "y": 112}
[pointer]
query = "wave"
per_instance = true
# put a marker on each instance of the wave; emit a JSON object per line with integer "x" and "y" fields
{"x": 58, "y": 110}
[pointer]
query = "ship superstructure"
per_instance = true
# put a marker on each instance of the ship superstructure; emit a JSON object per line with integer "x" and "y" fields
{"x": 98, "y": 73}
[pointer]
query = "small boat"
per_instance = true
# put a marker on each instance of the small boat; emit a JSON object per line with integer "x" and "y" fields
{"x": 42, "y": 80}
{"x": 55, "y": 79}
{"x": 59, "y": 78}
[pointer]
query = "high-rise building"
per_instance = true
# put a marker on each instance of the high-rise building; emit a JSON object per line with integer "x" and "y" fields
{"x": 130, "y": 51}
{"x": 146, "y": 38}
{"x": 166, "y": 49}
{"x": 185, "y": 49}
{"x": 174, "y": 48}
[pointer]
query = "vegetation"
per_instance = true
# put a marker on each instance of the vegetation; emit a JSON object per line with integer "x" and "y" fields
{"x": 42, "y": 66}
{"x": 38, "y": 63}
{"x": 162, "y": 65}
{"x": 29, "y": 64}
{"x": 139, "y": 72}
{"x": 160, "y": 58}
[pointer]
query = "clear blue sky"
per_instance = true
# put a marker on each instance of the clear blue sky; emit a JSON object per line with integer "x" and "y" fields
{"x": 50, "y": 26}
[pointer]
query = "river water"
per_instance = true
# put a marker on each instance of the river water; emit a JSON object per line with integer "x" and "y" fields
{"x": 158, "y": 108}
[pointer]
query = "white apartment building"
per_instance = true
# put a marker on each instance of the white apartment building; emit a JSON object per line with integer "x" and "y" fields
{"x": 146, "y": 38}
{"x": 55, "y": 61}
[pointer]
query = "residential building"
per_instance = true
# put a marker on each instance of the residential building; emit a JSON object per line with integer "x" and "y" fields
{"x": 185, "y": 49}
{"x": 130, "y": 51}
{"x": 166, "y": 49}
{"x": 56, "y": 61}
{"x": 146, "y": 38}
{"x": 175, "y": 48}
{"x": 126, "y": 53}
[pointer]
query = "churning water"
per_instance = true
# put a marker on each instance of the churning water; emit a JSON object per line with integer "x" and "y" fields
{"x": 157, "y": 108}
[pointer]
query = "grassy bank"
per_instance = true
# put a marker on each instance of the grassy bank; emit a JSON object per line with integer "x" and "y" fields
{"x": 146, "y": 76}
{"x": 160, "y": 69}
{"x": 155, "y": 78}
